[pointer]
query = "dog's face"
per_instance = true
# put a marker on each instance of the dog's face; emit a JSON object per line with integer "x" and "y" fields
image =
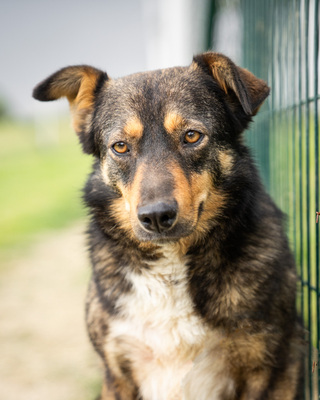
{"x": 165, "y": 139}
{"x": 156, "y": 153}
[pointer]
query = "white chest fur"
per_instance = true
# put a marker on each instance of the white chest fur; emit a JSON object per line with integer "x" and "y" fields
{"x": 159, "y": 321}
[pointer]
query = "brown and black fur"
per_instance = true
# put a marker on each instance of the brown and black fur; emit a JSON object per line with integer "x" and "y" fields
{"x": 198, "y": 206}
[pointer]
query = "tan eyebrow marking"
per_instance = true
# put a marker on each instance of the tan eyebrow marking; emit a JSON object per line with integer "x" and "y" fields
{"x": 173, "y": 122}
{"x": 134, "y": 128}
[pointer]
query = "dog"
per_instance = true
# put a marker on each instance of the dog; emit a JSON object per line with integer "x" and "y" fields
{"x": 193, "y": 284}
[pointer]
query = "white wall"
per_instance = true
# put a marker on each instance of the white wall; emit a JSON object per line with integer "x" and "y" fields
{"x": 174, "y": 31}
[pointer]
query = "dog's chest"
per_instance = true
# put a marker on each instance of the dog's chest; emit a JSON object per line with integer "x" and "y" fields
{"x": 159, "y": 317}
{"x": 159, "y": 310}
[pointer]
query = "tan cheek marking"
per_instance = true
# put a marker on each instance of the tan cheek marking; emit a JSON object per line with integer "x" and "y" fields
{"x": 213, "y": 201}
{"x": 134, "y": 190}
{"x": 122, "y": 216}
{"x": 226, "y": 161}
{"x": 201, "y": 184}
{"x": 134, "y": 128}
{"x": 182, "y": 192}
{"x": 124, "y": 208}
{"x": 173, "y": 122}
{"x": 190, "y": 195}
{"x": 214, "y": 206}
{"x": 199, "y": 190}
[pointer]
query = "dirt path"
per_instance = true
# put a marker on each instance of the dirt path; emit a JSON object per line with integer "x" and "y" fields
{"x": 44, "y": 350}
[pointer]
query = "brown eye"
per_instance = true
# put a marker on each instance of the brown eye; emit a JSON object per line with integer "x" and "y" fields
{"x": 192, "y": 137}
{"x": 120, "y": 148}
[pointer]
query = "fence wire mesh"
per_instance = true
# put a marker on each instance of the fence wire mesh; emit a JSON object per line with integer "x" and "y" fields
{"x": 281, "y": 45}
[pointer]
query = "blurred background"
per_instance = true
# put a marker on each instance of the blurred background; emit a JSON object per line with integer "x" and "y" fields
{"x": 44, "y": 267}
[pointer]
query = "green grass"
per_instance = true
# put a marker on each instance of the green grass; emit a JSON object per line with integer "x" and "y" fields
{"x": 40, "y": 182}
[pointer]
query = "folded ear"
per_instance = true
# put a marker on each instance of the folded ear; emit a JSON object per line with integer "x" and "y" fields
{"x": 249, "y": 90}
{"x": 80, "y": 85}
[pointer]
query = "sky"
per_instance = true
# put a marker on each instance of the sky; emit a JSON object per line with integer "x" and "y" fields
{"x": 37, "y": 37}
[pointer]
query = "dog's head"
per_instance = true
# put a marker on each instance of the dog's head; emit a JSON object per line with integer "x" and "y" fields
{"x": 165, "y": 139}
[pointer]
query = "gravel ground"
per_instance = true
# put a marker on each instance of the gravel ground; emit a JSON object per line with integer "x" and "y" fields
{"x": 44, "y": 348}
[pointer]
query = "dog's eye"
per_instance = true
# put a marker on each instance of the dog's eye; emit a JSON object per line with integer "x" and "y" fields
{"x": 192, "y": 137}
{"x": 120, "y": 148}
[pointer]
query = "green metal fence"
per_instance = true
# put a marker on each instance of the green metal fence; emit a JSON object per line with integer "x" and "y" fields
{"x": 281, "y": 45}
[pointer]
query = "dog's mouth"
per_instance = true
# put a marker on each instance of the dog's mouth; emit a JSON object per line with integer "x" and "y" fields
{"x": 172, "y": 235}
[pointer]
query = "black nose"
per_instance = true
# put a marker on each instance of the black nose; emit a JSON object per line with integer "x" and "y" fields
{"x": 158, "y": 217}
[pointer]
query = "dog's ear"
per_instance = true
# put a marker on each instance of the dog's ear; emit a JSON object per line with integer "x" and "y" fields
{"x": 249, "y": 90}
{"x": 80, "y": 85}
